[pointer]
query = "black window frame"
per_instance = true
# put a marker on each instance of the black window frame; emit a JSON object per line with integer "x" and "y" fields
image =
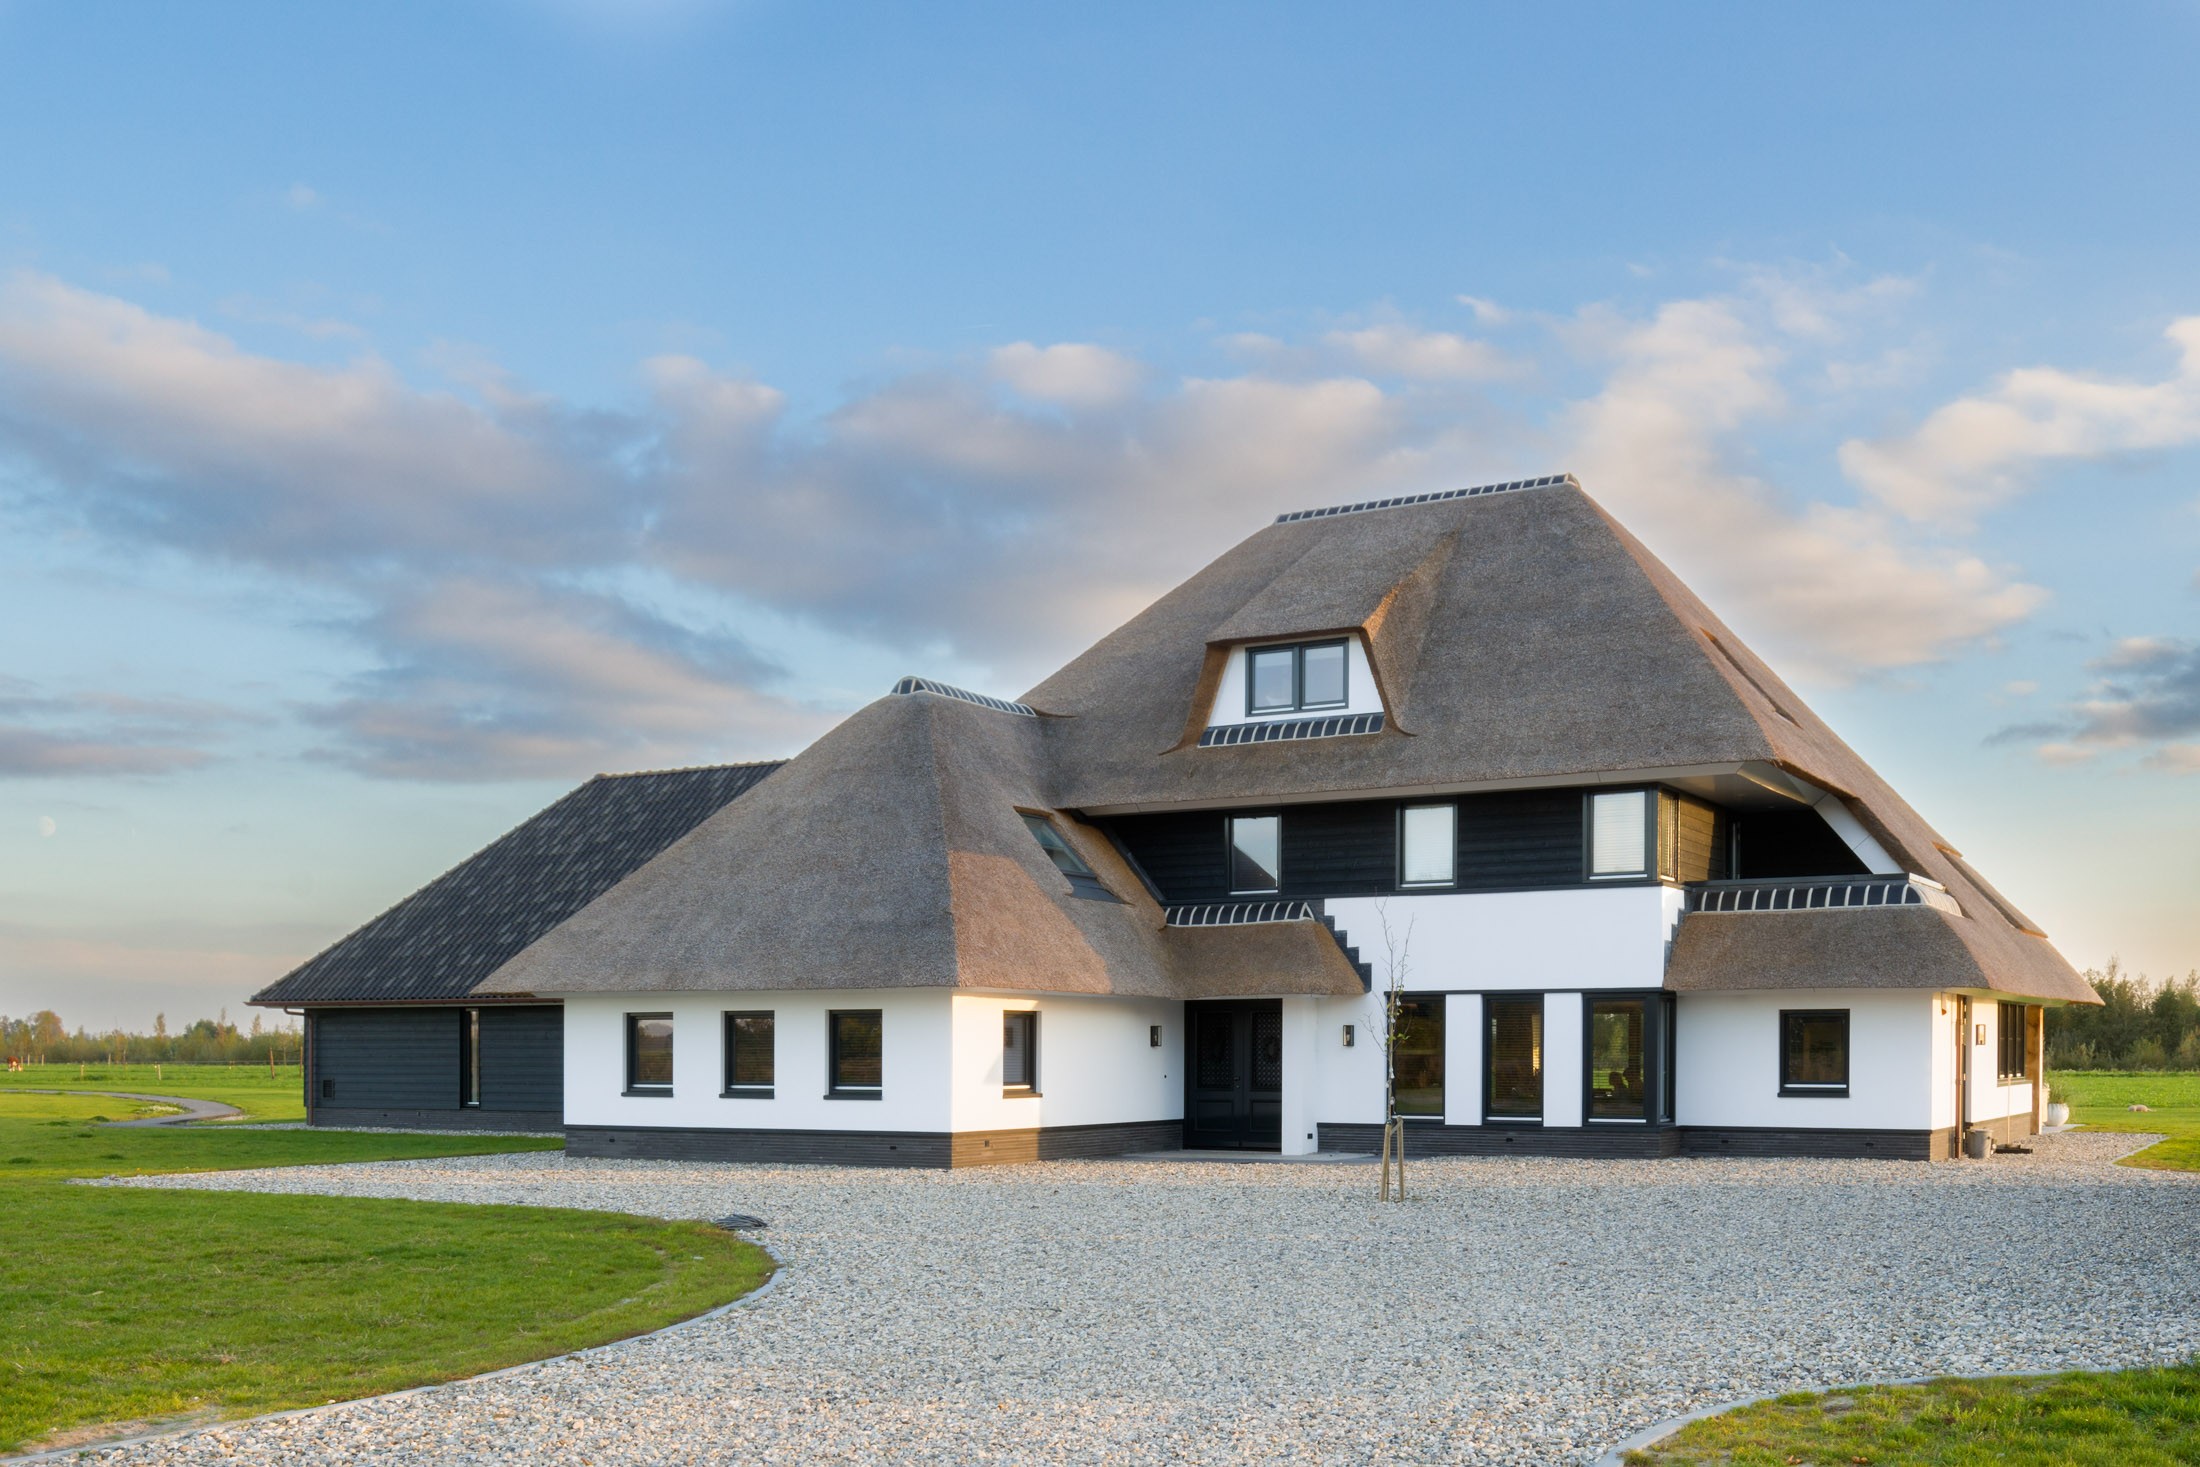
{"x": 2004, "y": 1032}
{"x": 1793, "y": 1089}
{"x": 1490, "y": 1117}
{"x": 1083, "y": 881}
{"x": 633, "y": 1054}
{"x": 1657, "y": 1055}
{"x": 1440, "y": 1003}
{"x": 469, "y": 1059}
{"x": 1298, "y": 651}
{"x": 1229, "y": 853}
{"x": 1450, "y": 883}
{"x": 1028, "y": 1021}
{"x": 835, "y": 1089}
{"x": 729, "y": 1028}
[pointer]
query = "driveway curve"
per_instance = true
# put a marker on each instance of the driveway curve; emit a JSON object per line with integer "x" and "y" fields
{"x": 1515, "y": 1311}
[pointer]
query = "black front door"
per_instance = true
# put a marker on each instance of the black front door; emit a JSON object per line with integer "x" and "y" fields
{"x": 1233, "y": 1079}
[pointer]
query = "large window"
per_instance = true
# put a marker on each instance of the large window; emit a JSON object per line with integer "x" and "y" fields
{"x": 1814, "y": 1052}
{"x": 2009, "y": 1027}
{"x": 1428, "y": 845}
{"x": 1081, "y": 879}
{"x": 1619, "y": 835}
{"x": 1514, "y": 1057}
{"x": 858, "y": 1045}
{"x": 1256, "y": 853}
{"x": 1296, "y": 678}
{"x": 1417, "y": 1057}
{"x": 1020, "y": 1053}
{"x": 1619, "y": 1053}
{"x": 751, "y": 1055}
{"x": 649, "y": 1054}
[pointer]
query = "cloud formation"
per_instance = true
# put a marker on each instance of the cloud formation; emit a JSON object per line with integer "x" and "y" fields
{"x": 2146, "y": 699}
{"x": 47, "y": 735}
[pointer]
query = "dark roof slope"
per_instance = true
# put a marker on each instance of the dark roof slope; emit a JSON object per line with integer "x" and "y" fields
{"x": 458, "y": 929}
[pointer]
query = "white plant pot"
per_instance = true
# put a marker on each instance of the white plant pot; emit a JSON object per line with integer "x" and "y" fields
{"x": 2058, "y": 1114}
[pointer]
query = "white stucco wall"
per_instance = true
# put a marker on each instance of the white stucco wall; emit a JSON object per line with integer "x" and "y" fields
{"x": 1463, "y": 1060}
{"x": 1361, "y": 694}
{"x": 1727, "y": 1071}
{"x": 1565, "y": 1067}
{"x": 1990, "y": 1099}
{"x": 1599, "y": 937}
{"x": 1096, "y": 1062}
{"x": 1347, "y": 1086}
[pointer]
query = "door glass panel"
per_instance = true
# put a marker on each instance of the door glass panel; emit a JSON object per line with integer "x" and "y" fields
{"x": 1271, "y": 678}
{"x": 1323, "y": 671}
{"x": 1417, "y": 1057}
{"x": 1516, "y": 1057}
{"x": 1616, "y": 1056}
{"x": 1268, "y": 1050}
{"x": 1217, "y": 1051}
{"x": 1256, "y": 843}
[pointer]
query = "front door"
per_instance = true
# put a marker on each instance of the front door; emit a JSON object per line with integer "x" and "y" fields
{"x": 1234, "y": 1075}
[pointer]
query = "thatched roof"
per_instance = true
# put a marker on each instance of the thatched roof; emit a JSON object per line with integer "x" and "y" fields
{"x": 892, "y": 854}
{"x": 1874, "y": 947}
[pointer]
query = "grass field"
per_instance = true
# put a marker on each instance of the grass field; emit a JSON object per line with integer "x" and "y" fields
{"x": 250, "y": 1088}
{"x": 2098, "y": 1100}
{"x": 129, "y": 1309}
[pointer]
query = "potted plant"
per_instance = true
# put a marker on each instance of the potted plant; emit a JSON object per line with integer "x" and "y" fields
{"x": 2056, "y": 1113}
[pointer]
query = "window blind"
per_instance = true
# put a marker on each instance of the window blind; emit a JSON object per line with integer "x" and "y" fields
{"x": 1618, "y": 825}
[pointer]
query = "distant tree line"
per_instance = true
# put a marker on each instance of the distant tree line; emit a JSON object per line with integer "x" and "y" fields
{"x": 2140, "y": 1025}
{"x": 43, "y": 1039}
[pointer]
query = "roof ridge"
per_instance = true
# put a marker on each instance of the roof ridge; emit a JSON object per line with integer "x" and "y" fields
{"x": 687, "y": 768}
{"x": 915, "y": 684}
{"x": 1548, "y": 481}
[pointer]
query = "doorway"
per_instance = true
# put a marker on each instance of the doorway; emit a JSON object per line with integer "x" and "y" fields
{"x": 1233, "y": 1075}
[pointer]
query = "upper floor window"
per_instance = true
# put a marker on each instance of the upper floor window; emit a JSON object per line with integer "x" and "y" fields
{"x": 1619, "y": 834}
{"x": 1295, "y": 678}
{"x": 1256, "y": 853}
{"x": 1082, "y": 881}
{"x": 1428, "y": 845}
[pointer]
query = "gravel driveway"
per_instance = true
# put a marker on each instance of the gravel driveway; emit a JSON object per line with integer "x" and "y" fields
{"x": 1516, "y": 1310}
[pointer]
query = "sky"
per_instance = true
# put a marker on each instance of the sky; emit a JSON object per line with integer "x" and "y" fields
{"x": 409, "y": 410}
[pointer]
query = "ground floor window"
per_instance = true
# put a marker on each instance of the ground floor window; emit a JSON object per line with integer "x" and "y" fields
{"x": 2010, "y": 1019}
{"x": 857, "y": 1041}
{"x": 469, "y": 1064}
{"x": 751, "y": 1054}
{"x": 1619, "y": 1053}
{"x": 649, "y": 1054}
{"x": 1020, "y": 1053}
{"x": 1417, "y": 1057}
{"x": 1513, "y": 1057}
{"x": 1814, "y": 1052}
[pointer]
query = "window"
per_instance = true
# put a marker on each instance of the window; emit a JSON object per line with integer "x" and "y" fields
{"x": 1618, "y": 1051}
{"x": 1020, "y": 1053}
{"x": 1814, "y": 1052}
{"x": 1417, "y": 1057}
{"x": 1619, "y": 829}
{"x": 1428, "y": 837}
{"x": 1514, "y": 1057}
{"x": 1294, "y": 679}
{"x": 649, "y": 1054}
{"x": 751, "y": 1055}
{"x": 1256, "y": 853}
{"x": 1066, "y": 860}
{"x": 469, "y": 1074}
{"x": 857, "y": 1041}
{"x": 2010, "y": 1029}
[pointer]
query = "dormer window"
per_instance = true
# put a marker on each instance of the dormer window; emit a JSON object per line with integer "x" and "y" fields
{"x": 1082, "y": 881}
{"x": 1295, "y": 678}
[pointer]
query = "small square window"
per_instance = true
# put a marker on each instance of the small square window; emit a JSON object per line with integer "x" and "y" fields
{"x": 1814, "y": 1052}
{"x": 1256, "y": 853}
{"x": 751, "y": 1054}
{"x": 857, "y": 1040}
{"x": 1020, "y": 1053}
{"x": 1273, "y": 684}
{"x": 649, "y": 1054}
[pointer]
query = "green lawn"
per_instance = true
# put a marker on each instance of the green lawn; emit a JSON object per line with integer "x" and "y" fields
{"x": 2098, "y": 1100}
{"x": 250, "y": 1088}
{"x": 2125, "y": 1418}
{"x": 128, "y": 1307}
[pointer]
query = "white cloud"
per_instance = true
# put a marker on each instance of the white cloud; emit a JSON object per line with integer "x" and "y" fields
{"x": 1437, "y": 356}
{"x": 1973, "y": 453}
{"x": 302, "y": 197}
{"x": 1071, "y": 373}
{"x": 1486, "y": 312}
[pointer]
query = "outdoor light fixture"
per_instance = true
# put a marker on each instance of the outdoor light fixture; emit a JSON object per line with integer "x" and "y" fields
{"x": 1978, "y": 1033}
{"x": 1348, "y": 1036}
{"x": 1153, "y": 1036}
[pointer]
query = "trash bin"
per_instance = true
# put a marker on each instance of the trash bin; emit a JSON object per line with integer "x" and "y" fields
{"x": 1978, "y": 1143}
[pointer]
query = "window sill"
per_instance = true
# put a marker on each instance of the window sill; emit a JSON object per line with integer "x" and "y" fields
{"x": 855, "y": 1095}
{"x": 1817, "y": 1092}
{"x": 746, "y": 1092}
{"x": 649, "y": 1092}
{"x": 1524, "y": 1122}
{"x": 1019, "y": 1092}
{"x": 1428, "y": 886}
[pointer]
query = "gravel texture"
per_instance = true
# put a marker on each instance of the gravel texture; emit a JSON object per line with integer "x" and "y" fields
{"x": 1515, "y": 1310}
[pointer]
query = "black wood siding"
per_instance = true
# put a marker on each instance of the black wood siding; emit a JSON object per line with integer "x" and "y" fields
{"x": 408, "y": 1058}
{"x": 1521, "y": 839}
{"x": 523, "y": 1059}
{"x": 404, "y": 1058}
{"x": 1791, "y": 843}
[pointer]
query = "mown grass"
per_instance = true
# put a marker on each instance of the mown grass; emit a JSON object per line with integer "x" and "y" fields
{"x": 2100, "y": 1100}
{"x": 2124, "y": 1418}
{"x": 128, "y": 1308}
{"x": 250, "y": 1088}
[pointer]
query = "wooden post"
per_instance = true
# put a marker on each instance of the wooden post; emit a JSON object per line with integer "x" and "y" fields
{"x": 2035, "y": 1057}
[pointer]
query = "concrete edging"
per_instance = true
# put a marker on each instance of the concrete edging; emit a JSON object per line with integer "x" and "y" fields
{"x": 65, "y": 1454}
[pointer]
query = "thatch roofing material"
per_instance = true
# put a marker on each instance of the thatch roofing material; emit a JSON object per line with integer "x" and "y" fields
{"x": 1872, "y": 947}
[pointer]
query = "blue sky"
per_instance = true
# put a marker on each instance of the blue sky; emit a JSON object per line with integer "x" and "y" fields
{"x": 408, "y": 410}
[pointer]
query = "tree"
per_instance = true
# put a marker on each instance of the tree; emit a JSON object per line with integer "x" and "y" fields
{"x": 46, "y": 1033}
{"x": 1397, "y": 953}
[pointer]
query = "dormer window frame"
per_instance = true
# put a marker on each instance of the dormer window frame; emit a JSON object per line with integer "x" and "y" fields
{"x": 1298, "y": 650}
